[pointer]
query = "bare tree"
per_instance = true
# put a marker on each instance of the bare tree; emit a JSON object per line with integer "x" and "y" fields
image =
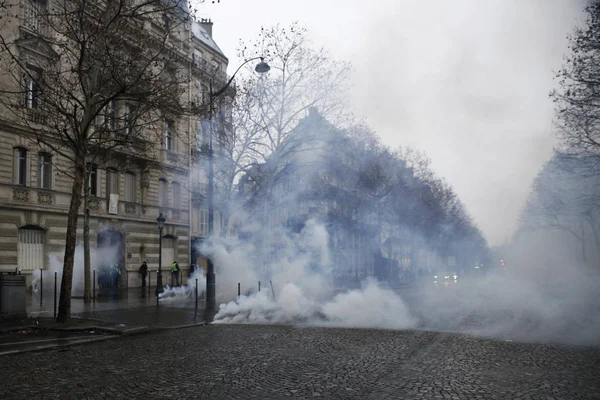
{"x": 91, "y": 80}
{"x": 268, "y": 108}
{"x": 566, "y": 200}
{"x": 578, "y": 98}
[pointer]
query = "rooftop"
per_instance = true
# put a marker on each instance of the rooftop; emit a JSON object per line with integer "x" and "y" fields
{"x": 201, "y": 34}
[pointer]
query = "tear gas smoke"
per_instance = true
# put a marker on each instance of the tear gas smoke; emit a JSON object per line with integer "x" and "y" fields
{"x": 186, "y": 292}
{"x": 516, "y": 306}
{"x": 303, "y": 288}
{"x": 108, "y": 255}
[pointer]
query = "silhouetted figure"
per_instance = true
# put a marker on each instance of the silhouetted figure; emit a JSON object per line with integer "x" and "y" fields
{"x": 144, "y": 273}
{"x": 116, "y": 275}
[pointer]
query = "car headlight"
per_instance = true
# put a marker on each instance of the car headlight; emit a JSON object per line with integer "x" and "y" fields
{"x": 446, "y": 277}
{"x": 435, "y": 277}
{"x": 455, "y": 277}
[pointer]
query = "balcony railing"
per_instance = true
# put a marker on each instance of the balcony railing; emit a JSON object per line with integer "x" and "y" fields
{"x": 21, "y": 194}
{"x": 45, "y": 197}
{"x": 35, "y": 116}
{"x": 98, "y": 206}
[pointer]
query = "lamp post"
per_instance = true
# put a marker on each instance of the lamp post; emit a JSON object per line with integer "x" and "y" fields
{"x": 161, "y": 224}
{"x": 262, "y": 67}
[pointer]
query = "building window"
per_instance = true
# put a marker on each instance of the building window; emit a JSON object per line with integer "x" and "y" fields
{"x": 93, "y": 179}
{"x": 31, "y": 248}
{"x": 32, "y": 90}
{"x": 202, "y": 135}
{"x": 44, "y": 171}
{"x": 168, "y": 251}
{"x": 162, "y": 192}
{"x": 199, "y": 93}
{"x": 176, "y": 195}
{"x": 110, "y": 116}
{"x": 34, "y": 13}
{"x": 204, "y": 94}
{"x": 203, "y": 231}
{"x": 112, "y": 182}
{"x": 195, "y": 221}
{"x": 169, "y": 132}
{"x": 20, "y": 166}
{"x": 130, "y": 187}
{"x": 128, "y": 119}
{"x": 197, "y": 57}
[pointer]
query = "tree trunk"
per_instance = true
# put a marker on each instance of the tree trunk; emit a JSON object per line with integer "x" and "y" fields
{"x": 64, "y": 304}
{"x": 583, "y": 245}
{"x": 86, "y": 240}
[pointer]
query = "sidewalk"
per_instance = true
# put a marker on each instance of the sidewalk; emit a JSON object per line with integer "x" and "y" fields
{"x": 114, "y": 314}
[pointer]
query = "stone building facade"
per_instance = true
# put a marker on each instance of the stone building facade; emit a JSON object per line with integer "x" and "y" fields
{"x": 127, "y": 195}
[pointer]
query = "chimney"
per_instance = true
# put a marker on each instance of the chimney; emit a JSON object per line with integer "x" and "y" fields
{"x": 207, "y": 24}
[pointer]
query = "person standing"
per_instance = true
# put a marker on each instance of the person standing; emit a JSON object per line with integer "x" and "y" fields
{"x": 144, "y": 273}
{"x": 117, "y": 275}
{"x": 175, "y": 270}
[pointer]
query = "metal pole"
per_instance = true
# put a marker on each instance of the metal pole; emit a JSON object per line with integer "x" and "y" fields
{"x": 210, "y": 270}
{"x": 239, "y": 291}
{"x": 55, "y": 280}
{"x": 94, "y": 285}
{"x": 41, "y": 287}
{"x": 159, "y": 272}
{"x": 196, "y": 295}
{"x": 149, "y": 279}
{"x": 259, "y": 286}
{"x": 272, "y": 290}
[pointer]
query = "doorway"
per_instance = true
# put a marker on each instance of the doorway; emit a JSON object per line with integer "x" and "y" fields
{"x": 110, "y": 256}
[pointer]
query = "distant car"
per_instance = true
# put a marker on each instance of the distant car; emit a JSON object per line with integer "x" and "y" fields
{"x": 445, "y": 277}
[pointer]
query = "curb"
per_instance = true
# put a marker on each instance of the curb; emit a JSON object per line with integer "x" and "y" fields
{"x": 112, "y": 332}
{"x": 54, "y": 346}
{"x": 195, "y": 324}
{"x": 135, "y": 330}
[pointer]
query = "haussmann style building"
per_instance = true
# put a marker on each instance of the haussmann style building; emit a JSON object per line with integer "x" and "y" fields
{"x": 127, "y": 195}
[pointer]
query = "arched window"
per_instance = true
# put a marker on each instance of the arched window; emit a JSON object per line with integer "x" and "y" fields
{"x": 31, "y": 248}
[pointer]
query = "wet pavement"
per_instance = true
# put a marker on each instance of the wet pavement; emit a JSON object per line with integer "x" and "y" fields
{"x": 112, "y": 313}
{"x": 276, "y": 362}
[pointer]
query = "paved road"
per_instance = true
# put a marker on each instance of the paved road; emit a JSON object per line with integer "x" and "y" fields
{"x": 277, "y": 362}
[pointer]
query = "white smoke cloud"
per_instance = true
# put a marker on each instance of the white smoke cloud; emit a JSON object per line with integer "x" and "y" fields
{"x": 108, "y": 255}
{"x": 302, "y": 291}
{"x": 187, "y": 292}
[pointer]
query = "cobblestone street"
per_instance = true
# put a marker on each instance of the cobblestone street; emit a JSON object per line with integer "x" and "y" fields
{"x": 244, "y": 361}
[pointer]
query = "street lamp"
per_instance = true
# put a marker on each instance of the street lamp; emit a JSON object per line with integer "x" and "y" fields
{"x": 262, "y": 67}
{"x": 161, "y": 224}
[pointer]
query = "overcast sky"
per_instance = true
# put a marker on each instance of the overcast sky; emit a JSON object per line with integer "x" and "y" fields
{"x": 466, "y": 81}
